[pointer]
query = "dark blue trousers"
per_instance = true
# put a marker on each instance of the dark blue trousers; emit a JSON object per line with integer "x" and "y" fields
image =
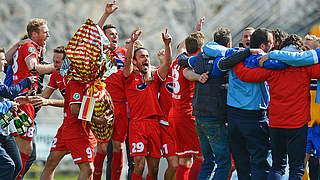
{"x": 292, "y": 143}
{"x": 248, "y": 135}
{"x": 10, "y": 160}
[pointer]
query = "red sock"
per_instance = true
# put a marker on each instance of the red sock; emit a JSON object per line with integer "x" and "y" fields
{"x": 149, "y": 178}
{"x": 24, "y": 158}
{"x": 182, "y": 172}
{"x": 135, "y": 176}
{"x": 98, "y": 165}
{"x": 116, "y": 165}
{"x": 232, "y": 168}
{"x": 195, "y": 169}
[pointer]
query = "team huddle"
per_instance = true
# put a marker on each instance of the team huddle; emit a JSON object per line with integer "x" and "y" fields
{"x": 209, "y": 110}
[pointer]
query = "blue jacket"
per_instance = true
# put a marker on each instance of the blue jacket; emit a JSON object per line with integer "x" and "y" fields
{"x": 242, "y": 95}
{"x": 5, "y": 106}
{"x": 13, "y": 91}
{"x": 297, "y": 59}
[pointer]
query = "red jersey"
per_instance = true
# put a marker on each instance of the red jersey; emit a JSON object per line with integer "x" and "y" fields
{"x": 143, "y": 100}
{"x": 19, "y": 67}
{"x": 182, "y": 92}
{"x": 165, "y": 97}
{"x": 115, "y": 82}
{"x": 21, "y": 71}
{"x": 57, "y": 82}
{"x": 72, "y": 126}
{"x": 289, "y": 89}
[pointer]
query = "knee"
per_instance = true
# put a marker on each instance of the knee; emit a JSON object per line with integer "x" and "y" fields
{"x": 138, "y": 166}
{"x": 117, "y": 146}
{"x": 88, "y": 170}
{"x": 102, "y": 148}
{"x": 154, "y": 171}
{"x": 186, "y": 161}
{"x": 173, "y": 164}
{"x": 28, "y": 148}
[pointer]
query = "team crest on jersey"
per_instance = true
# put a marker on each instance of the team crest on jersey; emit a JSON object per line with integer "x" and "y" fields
{"x": 169, "y": 87}
{"x": 31, "y": 49}
{"x": 76, "y": 96}
{"x": 141, "y": 86}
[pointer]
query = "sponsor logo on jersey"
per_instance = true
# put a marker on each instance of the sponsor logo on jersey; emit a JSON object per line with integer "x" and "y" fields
{"x": 76, "y": 96}
{"x": 141, "y": 86}
{"x": 63, "y": 92}
{"x": 120, "y": 63}
{"x": 169, "y": 87}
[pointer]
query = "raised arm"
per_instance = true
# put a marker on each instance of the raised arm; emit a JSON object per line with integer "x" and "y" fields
{"x": 199, "y": 25}
{"x": 293, "y": 58}
{"x": 128, "y": 66}
{"x": 44, "y": 99}
{"x": 164, "y": 67}
{"x": 110, "y": 8}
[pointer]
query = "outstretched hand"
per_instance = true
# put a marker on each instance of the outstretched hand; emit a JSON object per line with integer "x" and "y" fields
{"x": 22, "y": 99}
{"x": 166, "y": 37}
{"x": 200, "y": 23}
{"x": 111, "y": 7}
{"x": 135, "y": 34}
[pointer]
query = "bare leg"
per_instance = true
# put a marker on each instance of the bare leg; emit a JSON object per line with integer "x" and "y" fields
{"x": 53, "y": 160}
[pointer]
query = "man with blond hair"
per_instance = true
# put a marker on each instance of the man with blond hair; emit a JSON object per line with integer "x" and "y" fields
{"x": 24, "y": 60}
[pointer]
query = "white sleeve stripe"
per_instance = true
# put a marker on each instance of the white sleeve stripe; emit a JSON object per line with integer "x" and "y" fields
{"x": 315, "y": 57}
{"x": 189, "y": 63}
{"x": 75, "y": 102}
{"x": 51, "y": 87}
{"x": 160, "y": 76}
{"x": 30, "y": 55}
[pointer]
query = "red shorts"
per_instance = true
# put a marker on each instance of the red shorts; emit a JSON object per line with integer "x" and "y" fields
{"x": 120, "y": 126}
{"x": 144, "y": 138}
{"x": 187, "y": 141}
{"x": 167, "y": 141}
{"x": 29, "y": 110}
{"x": 81, "y": 149}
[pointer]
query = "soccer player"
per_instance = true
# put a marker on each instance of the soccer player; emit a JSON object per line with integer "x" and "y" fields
{"x": 145, "y": 111}
{"x": 56, "y": 82}
{"x": 115, "y": 87}
{"x": 187, "y": 146}
{"x": 10, "y": 159}
{"x": 25, "y": 59}
{"x": 166, "y": 128}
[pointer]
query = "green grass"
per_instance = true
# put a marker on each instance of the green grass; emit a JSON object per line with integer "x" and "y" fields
{"x": 35, "y": 172}
{"x": 57, "y": 177}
